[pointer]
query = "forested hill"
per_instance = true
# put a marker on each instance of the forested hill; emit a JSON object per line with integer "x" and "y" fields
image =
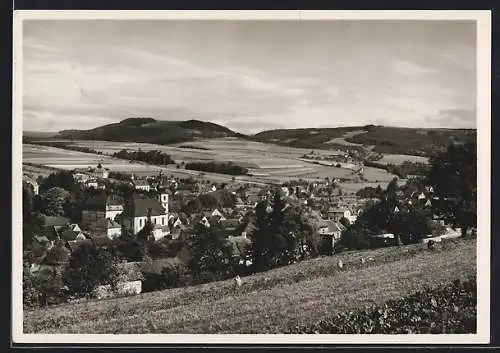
{"x": 383, "y": 139}
{"x": 149, "y": 130}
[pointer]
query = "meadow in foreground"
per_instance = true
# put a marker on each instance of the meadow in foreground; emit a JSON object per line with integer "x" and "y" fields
{"x": 271, "y": 302}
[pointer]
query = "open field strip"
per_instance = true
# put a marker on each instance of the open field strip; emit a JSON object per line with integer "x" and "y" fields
{"x": 354, "y": 187}
{"x": 268, "y": 302}
{"x": 400, "y": 158}
{"x": 377, "y": 175}
{"x": 342, "y": 141}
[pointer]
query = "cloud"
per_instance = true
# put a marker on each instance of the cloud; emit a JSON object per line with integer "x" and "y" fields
{"x": 102, "y": 71}
{"x": 465, "y": 118}
{"x": 408, "y": 68}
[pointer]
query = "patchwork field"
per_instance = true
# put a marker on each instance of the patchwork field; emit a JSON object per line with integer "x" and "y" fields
{"x": 267, "y": 162}
{"x": 400, "y": 158}
{"x": 342, "y": 140}
{"x": 66, "y": 159}
{"x": 299, "y": 294}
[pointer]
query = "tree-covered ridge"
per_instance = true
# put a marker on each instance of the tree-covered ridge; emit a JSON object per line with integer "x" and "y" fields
{"x": 391, "y": 140}
{"x": 148, "y": 130}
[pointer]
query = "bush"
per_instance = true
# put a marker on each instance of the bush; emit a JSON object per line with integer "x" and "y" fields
{"x": 169, "y": 277}
{"x": 447, "y": 310}
{"x": 88, "y": 268}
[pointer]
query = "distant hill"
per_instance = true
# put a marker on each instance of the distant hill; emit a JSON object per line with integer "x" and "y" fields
{"x": 149, "y": 130}
{"x": 39, "y": 134}
{"x": 383, "y": 139}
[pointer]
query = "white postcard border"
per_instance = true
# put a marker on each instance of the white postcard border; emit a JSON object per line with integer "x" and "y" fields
{"x": 483, "y": 19}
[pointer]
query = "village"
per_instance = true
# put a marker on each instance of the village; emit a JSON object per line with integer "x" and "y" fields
{"x": 173, "y": 206}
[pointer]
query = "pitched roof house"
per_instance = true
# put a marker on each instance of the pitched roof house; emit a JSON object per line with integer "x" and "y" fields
{"x": 101, "y": 206}
{"x": 142, "y": 184}
{"x": 106, "y": 226}
{"x": 139, "y": 209}
{"x": 331, "y": 228}
{"x": 72, "y": 245}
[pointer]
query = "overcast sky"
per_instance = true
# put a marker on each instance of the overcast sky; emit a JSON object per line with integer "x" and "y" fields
{"x": 249, "y": 75}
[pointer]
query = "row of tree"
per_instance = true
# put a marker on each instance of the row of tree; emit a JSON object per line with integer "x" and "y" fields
{"x": 217, "y": 167}
{"x": 151, "y": 157}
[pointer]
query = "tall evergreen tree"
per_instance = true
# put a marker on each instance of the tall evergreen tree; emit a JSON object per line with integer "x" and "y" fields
{"x": 453, "y": 176}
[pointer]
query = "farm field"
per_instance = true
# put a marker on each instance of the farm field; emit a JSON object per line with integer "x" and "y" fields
{"x": 299, "y": 294}
{"x": 354, "y": 187}
{"x": 267, "y": 162}
{"x": 400, "y": 158}
{"x": 377, "y": 175}
{"x": 66, "y": 159}
{"x": 342, "y": 140}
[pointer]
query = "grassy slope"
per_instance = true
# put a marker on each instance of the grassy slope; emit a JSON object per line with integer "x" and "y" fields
{"x": 268, "y": 302}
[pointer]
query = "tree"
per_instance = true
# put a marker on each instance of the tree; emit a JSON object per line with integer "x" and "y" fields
{"x": 128, "y": 247}
{"x": 31, "y": 295}
{"x": 62, "y": 179}
{"x": 345, "y": 222}
{"x": 261, "y": 247}
{"x": 210, "y": 252}
{"x": 454, "y": 179}
{"x": 89, "y": 267}
{"x": 54, "y": 201}
{"x": 28, "y": 200}
{"x": 146, "y": 233}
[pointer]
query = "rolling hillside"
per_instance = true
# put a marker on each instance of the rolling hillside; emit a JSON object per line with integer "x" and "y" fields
{"x": 149, "y": 130}
{"x": 382, "y": 139}
{"x": 303, "y": 293}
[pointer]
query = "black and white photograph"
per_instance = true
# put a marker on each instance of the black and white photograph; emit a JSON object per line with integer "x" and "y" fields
{"x": 251, "y": 176}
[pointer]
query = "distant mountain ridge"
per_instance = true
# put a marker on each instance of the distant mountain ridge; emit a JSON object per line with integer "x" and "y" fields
{"x": 382, "y": 139}
{"x": 149, "y": 130}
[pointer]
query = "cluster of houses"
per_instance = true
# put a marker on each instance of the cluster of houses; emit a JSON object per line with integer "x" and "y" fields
{"x": 92, "y": 177}
{"x": 105, "y": 217}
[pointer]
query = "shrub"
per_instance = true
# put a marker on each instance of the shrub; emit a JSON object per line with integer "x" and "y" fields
{"x": 445, "y": 309}
{"x": 88, "y": 268}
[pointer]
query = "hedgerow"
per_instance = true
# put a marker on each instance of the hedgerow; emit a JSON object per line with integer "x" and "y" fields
{"x": 445, "y": 309}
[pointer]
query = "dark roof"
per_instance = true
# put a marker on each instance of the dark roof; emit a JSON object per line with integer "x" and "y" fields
{"x": 230, "y": 223}
{"x": 69, "y": 235}
{"x": 74, "y": 244}
{"x": 141, "y": 182}
{"x": 105, "y": 223}
{"x": 214, "y": 220}
{"x": 99, "y": 201}
{"x": 140, "y": 205}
